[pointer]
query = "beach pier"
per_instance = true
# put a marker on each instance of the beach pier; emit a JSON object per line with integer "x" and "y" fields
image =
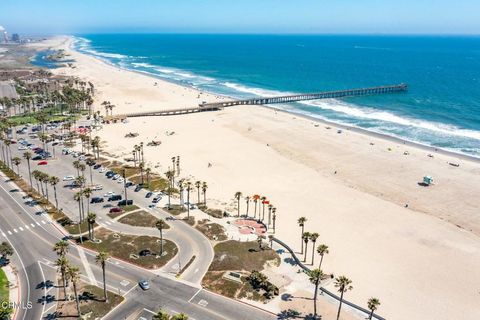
{"x": 215, "y": 106}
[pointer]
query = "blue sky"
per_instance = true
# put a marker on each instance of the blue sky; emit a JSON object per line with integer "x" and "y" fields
{"x": 242, "y": 16}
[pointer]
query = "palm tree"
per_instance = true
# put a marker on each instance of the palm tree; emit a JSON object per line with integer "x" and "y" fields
{"x": 313, "y": 238}
{"x": 87, "y": 193}
{"x": 343, "y": 284}
{"x": 306, "y": 238}
{"x": 189, "y": 187}
{"x": 301, "y": 223}
{"x": 61, "y": 248}
{"x": 197, "y": 185}
{"x": 147, "y": 173}
{"x": 161, "y": 315}
{"x": 274, "y": 218}
{"x": 263, "y": 208}
{"x": 247, "y": 201}
{"x": 141, "y": 166}
{"x": 322, "y": 250}
{"x": 255, "y": 201}
{"x": 204, "y": 190}
{"x": 270, "y": 207}
{"x": 16, "y": 161}
{"x": 76, "y": 165}
{"x": 90, "y": 164}
{"x": 74, "y": 275}
{"x": 315, "y": 277}
{"x": 238, "y": 195}
{"x": 160, "y": 225}
{"x": 54, "y": 181}
{"x": 102, "y": 259}
{"x": 180, "y": 316}
{"x": 91, "y": 222}
{"x": 78, "y": 197}
{"x": 62, "y": 264}
{"x": 373, "y": 304}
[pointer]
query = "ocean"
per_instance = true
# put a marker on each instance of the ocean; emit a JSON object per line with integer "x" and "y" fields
{"x": 441, "y": 108}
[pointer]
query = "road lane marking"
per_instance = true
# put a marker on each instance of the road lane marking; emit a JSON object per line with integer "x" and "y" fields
{"x": 43, "y": 221}
{"x": 86, "y": 265}
{"x": 33, "y": 226}
{"x": 27, "y": 227}
{"x": 195, "y": 295}
{"x": 37, "y": 223}
{"x": 9, "y": 232}
{"x": 203, "y": 303}
{"x": 3, "y": 234}
{"x": 21, "y": 229}
{"x": 15, "y": 230}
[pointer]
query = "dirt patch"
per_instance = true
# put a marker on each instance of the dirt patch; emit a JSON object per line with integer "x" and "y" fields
{"x": 141, "y": 219}
{"x": 212, "y": 231}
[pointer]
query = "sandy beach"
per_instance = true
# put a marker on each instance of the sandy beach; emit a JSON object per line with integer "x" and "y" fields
{"x": 415, "y": 248}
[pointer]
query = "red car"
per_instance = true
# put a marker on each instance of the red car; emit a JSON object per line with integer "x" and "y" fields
{"x": 42, "y": 163}
{"x": 115, "y": 210}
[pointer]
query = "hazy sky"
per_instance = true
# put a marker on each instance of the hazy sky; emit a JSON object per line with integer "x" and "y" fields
{"x": 242, "y": 16}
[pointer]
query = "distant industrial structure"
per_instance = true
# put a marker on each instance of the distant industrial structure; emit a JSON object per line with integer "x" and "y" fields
{"x": 4, "y": 34}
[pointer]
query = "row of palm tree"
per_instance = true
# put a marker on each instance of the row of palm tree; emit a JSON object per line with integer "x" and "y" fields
{"x": 163, "y": 315}
{"x": 71, "y": 274}
{"x": 108, "y": 106}
{"x": 260, "y": 202}
{"x": 342, "y": 283}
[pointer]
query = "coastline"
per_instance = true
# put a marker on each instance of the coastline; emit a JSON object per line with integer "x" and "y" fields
{"x": 360, "y": 210}
{"x": 392, "y": 138}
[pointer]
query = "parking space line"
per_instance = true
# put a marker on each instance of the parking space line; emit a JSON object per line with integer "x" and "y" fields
{"x": 21, "y": 229}
{"x": 9, "y": 232}
{"x": 15, "y": 230}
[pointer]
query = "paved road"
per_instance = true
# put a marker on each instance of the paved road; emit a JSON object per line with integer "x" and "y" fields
{"x": 33, "y": 237}
{"x": 190, "y": 241}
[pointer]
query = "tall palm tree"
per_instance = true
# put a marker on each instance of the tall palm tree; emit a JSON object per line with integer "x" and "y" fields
{"x": 238, "y": 195}
{"x": 322, "y": 250}
{"x": 313, "y": 238}
{"x": 255, "y": 201}
{"x": 306, "y": 238}
{"x": 180, "y": 316}
{"x": 62, "y": 264}
{"x": 301, "y": 223}
{"x": 274, "y": 218}
{"x": 61, "y": 248}
{"x": 198, "y": 185}
{"x": 372, "y": 304}
{"x": 189, "y": 187}
{"x": 79, "y": 198}
{"x": 270, "y": 207}
{"x": 160, "y": 225}
{"x": 45, "y": 178}
{"x": 76, "y": 165}
{"x": 247, "y": 201}
{"x": 315, "y": 276}
{"x": 54, "y": 181}
{"x": 204, "y": 190}
{"x": 16, "y": 161}
{"x": 87, "y": 193}
{"x": 91, "y": 217}
{"x": 141, "y": 166}
{"x": 263, "y": 208}
{"x": 101, "y": 259}
{"x": 90, "y": 164}
{"x": 343, "y": 284}
{"x": 148, "y": 171}
{"x": 74, "y": 275}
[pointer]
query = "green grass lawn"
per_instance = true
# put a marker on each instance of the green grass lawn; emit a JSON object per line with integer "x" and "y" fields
{"x": 4, "y": 291}
{"x": 141, "y": 219}
{"x": 124, "y": 245}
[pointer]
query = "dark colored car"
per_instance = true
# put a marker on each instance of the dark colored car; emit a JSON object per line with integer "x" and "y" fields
{"x": 138, "y": 188}
{"x": 128, "y": 184}
{"x": 96, "y": 200}
{"x": 110, "y": 174}
{"x": 145, "y": 253}
{"x": 97, "y": 166}
{"x": 115, "y": 197}
{"x": 144, "y": 285}
{"x": 149, "y": 194}
{"x": 115, "y": 210}
{"x": 124, "y": 203}
{"x": 156, "y": 199}
{"x": 36, "y": 158}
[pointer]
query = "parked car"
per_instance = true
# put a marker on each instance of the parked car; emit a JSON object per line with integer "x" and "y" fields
{"x": 115, "y": 177}
{"x": 97, "y": 187}
{"x": 22, "y": 147}
{"x": 120, "y": 180}
{"x": 115, "y": 210}
{"x": 156, "y": 199}
{"x": 96, "y": 200}
{"x": 144, "y": 285}
{"x": 102, "y": 170}
{"x": 42, "y": 163}
{"x": 109, "y": 194}
{"x": 124, "y": 203}
{"x": 36, "y": 158}
{"x": 145, "y": 253}
{"x": 115, "y": 197}
{"x": 138, "y": 188}
{"x": 129, "y": 184}
{"x": 95, "y": 167}
{"x": 68, "y": 178}
{"x": 149, "y": 194}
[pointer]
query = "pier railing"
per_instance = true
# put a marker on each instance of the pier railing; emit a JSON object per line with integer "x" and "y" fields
{"x": 310, "y": 96}
{"x": 329, "y": 293}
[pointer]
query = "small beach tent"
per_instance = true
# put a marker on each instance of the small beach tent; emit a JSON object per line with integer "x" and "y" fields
{"x": 428, "y": 180}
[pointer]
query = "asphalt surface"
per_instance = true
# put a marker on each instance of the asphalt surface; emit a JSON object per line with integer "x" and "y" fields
{"x": 33, "y": 236}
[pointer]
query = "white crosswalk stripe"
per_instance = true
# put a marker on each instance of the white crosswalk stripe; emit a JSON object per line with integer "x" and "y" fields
{"x": 43, "y": 222}
{"x": 21, "y": 229}
{"x": 37, "y": 223}
{"x": 9, "y": 232}
{"x": 15, "y": 230}
{"x": 27, "y": 227}
{"x": 3, "y": 234}
{"x": 33, "y": 226}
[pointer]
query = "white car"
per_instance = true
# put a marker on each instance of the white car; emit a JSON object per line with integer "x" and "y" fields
{"x": 120, "y": 180}
{"x": 102, "y": 170}
{"x": 109, "y": 194}
{"x": 115, "y": 177}
{"x": 22, "y": 148}
{"x": 68, "y": 178}
{"x": 97, "y": 187}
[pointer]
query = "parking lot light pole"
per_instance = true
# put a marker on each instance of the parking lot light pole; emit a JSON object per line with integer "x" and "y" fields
{"x": 125, "y": 185}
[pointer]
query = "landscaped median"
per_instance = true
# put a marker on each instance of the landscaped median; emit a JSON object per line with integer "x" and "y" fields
{"x": 143, "y": 251}
{"x": 4, "y": 296}
{"x": 235, "y": 271}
